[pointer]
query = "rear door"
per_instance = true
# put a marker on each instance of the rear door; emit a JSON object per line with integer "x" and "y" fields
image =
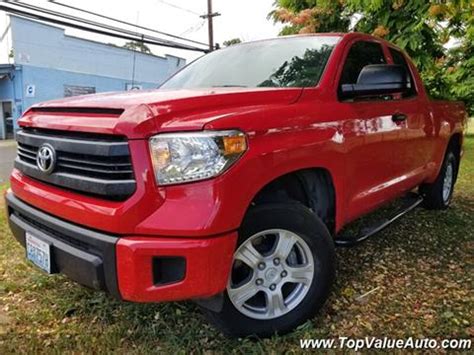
{"x": 414, "y": 149}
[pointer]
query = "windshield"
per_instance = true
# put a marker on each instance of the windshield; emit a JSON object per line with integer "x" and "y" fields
{"x": 283, "y": 62}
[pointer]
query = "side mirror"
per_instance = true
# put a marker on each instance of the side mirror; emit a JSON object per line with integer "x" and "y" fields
{"x": 377, "y": 79}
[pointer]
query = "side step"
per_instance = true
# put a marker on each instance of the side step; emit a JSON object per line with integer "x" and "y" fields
{"x": 411, "y": 201}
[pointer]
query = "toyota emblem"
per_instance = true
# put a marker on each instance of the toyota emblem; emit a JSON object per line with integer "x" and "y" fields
{"x": 46, "y": 159}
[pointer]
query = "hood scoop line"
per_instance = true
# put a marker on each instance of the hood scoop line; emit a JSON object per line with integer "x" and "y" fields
{"x": 87, "y": 110}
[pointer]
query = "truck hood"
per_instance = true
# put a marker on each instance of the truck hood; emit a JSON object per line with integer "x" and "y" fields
{"x": 142, "y": 113}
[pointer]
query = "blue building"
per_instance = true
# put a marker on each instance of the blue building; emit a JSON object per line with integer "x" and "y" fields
{"x": 39, "y": 62}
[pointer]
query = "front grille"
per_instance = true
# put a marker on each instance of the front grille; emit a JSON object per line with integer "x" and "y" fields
{"x": 92, "y": 164}
{"x": 113, "y": 168}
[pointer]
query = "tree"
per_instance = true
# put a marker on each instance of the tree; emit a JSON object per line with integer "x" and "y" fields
{"x": 137, "y": 46}
{"x": 460, "y": 59}
{"x": 232, "y": 41}
{"x": 309, "y": 16}
{"x": 421, "y": 28}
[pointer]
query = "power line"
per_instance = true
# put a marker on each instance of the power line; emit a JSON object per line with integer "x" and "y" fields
{"x": 97, "y": 24}
{"x": 125, "y": 22}
{"x": 178, "y": 7}
{"x": 121, "y": 33}
{"x": 155, "y": 40}
{"x": 89, "y": 22}
{"x": 194, "y": 28}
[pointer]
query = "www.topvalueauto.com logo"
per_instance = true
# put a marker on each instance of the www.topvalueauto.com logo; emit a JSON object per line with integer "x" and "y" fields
{"x": 357, "y": 344}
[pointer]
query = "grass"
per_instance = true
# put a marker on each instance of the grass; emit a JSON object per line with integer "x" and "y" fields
{"x": 420, "y": 272}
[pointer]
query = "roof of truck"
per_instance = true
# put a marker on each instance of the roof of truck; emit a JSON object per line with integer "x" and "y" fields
{"x": 346, "y": 36}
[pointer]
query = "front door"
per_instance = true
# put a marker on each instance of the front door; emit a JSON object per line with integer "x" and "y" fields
{"x": 370, "y": 133}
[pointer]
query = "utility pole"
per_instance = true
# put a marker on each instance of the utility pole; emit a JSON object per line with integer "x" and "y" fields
{"x": 209, "y": 16}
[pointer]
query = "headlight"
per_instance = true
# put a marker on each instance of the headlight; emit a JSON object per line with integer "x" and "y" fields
{"x": 184, "y": 157}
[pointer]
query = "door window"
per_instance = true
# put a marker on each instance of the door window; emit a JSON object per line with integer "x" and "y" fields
{"x": 361, "y": 54}
{"x": 399, "y": 59}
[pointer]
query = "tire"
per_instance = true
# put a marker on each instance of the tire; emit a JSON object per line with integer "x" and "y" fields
{"x": 268, "y": 228}
{"x": 438, "y": 195}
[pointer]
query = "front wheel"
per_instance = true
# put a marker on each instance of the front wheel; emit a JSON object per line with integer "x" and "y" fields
{"x": 282, "y": 272}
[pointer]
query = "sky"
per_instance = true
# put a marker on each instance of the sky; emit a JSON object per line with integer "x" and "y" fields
{"x": 244, "y": 19}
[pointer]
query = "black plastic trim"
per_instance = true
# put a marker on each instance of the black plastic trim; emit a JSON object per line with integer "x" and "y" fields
{"x": 85, "y": 256}
{"x": 168, "y": 269}
{"x": 412, "y": 200}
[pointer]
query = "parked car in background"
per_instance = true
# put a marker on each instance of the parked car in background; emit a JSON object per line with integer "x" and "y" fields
{"x": 229, "y": 184}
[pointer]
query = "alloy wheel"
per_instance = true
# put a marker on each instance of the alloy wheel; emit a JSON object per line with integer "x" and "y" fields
{"x": 448, "y": 182}
{"x": 271, "y": 274}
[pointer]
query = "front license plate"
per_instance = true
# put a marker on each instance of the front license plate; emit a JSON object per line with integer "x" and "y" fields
{"x": 38, "y": 252}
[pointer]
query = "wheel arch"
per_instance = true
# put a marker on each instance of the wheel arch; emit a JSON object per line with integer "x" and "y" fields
{"x": 452, "y": 141}
{"x": 455, "y": 145}
{"x": 313, "y": 187}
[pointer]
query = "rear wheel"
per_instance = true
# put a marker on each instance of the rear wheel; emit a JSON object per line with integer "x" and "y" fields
{"x": 281, "y": 274}
{"x": 438, "y": 195}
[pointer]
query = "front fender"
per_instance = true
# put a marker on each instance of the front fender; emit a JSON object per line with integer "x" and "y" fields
{"x": 219, "y": 205}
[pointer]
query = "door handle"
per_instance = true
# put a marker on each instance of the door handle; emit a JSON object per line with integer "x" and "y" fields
{"x": 399, "y": 117}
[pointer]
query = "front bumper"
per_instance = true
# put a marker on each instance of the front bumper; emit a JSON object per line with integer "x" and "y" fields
{"x": 132, "y": 268}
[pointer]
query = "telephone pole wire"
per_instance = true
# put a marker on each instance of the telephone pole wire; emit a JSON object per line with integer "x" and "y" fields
{"x": 209, "y": 17}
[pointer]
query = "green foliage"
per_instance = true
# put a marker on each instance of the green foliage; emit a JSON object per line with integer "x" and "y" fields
{"x": 232, "y": 41}
{"x": 407, "y": 25}
{"x": 137, "y": 46}
{"x": 306, "y": 16}
{"x": 460, "y": 63}
{"x": 421, "y": 28}
{"x": 462, "y": 79}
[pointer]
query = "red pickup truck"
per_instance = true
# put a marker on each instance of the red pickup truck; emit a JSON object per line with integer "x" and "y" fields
{"x": 230, "y": 183}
